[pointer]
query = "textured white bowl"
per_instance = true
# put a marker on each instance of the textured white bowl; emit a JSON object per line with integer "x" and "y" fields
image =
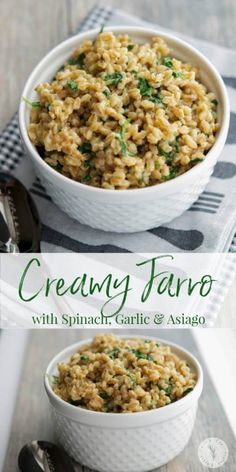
{"x": 130, "y": 442}
{"x": 135, "y": 209}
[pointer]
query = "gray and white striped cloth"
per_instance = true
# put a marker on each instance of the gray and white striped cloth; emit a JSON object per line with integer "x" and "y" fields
{"x": 208, "y": 226}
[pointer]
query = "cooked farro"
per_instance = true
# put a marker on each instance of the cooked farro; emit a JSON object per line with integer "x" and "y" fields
{"x": 123, "y": 375}
{"x": 121, "y": 115}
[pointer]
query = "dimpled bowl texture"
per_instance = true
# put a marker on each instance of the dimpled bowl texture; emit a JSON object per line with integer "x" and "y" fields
{"x": 135, "y": 209}
{"x": 130, "y": 442}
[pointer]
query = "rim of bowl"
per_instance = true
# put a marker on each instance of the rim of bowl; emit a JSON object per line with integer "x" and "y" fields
{"x": 171, "y": 408}
{"x": 220, "y": 137}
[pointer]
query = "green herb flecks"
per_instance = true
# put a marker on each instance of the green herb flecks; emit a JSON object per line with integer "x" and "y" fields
{"x": 86, "y": 178}
{"x": 84, "y": 358}
{"x": 169, "y": 156}
{"x": 32, "y": 104}
{"x": 58, "y": 167}
{"x": 187, "y": 391}
{"x": 113, "y": 79}
{"x": 89, "y": 163}
{"x": 142, "y": 178}
{"x": 167, "y": 61}
{"x": 134, "y": 72}
{"x": 141, "y": 355}
{"x": 130, "y": 47}
{"x": 106, "y": 93}
{"x": 108, "y": 406}
{"x": 133, "y": 380}
{"x": 75, "y": 402}
{"x": 215, "y": 102}
{"x": 149, "y": 92}
{"x": 177, "y": 74}
{"x": 196, "y": 161}
{"x": 85, "y": 148}
{"x": 168, "y": 389}
{"x": 172, "y": 174}
{"x": 77, "y": 61}
{"x": 114, "y": 353}
{"x": 121, "y": 138}
{"x": 104, "y": 395}
{"x": 73, "y": 85}
{"x": 55, "y": 380}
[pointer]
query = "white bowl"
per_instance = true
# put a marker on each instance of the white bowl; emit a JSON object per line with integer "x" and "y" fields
{"x": 135, "y": 209}
{"x": 134, "y": 442}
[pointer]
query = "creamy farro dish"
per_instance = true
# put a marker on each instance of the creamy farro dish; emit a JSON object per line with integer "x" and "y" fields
{"x": 123, "y": 115}
{"x": 123, "y": 375}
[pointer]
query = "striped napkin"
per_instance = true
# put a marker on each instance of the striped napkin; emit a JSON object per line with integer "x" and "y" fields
{"x": 208, "y": 226}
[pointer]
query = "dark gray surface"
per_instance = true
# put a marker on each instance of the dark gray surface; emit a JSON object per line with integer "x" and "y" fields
{"x": 31, "y": 418}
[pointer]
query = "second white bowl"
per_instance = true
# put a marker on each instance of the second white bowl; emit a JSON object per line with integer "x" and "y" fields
{"x": 130, "y": 442}
{"x": 135, "y": 209}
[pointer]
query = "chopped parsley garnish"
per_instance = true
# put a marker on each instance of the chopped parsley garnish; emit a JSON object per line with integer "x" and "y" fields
{"x": 167, "y": 61}
{"x": 85, "y": 148}
{"x": 114, "y": 353}
{"x": 58, "y": 167}
{"x": 55, "y": 380}
{"x": 168, "y": 389}
{"x": 77, "y": 61}
{"x": 130, "y": 47}
{"x": 32, "y": 104}
{"x": 113, "y": 79}
{"x": 172, "y": 174}
{"x": 75, "y": 402}
{"x": 145, "y": 89}
{"x": 104, "y": 395}
{"x": 106, "y": 93}
{"x": 80, "y": 60}
{"x": 176, "y": 74}
{"x": 88, "y": 163}
{"x": 169, "y": 156}
{"x": 141, "y": 355}
{"x": 158, "y": 345}
{"x": 73, "y": 85}
{"x": 108, "y": 406}
{"x": 86, "y": 178}
{"x": 195, "y": 161}
{"x": 187, "y": 391}
{"x": 133, "y": 380}
{"x": 121, "y": 137}
{"x": 84, "y": 358}
{"x": 142, "y": 178}
{"x": 134, "y": 72}
{"x": 215, "y": 102}
{"x": 149, "y": 92}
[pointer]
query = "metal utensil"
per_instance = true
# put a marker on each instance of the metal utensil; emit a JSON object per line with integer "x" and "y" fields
{"x": 19, "y": 220}
{"x": 44, "y": 456}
